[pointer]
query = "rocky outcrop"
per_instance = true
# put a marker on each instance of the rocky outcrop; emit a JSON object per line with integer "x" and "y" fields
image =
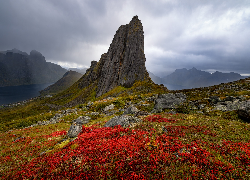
{"x": 168, "y": 101}
{"x": 19, "y": 68}
{"x": 131, "y": 110}
{"x": 123, "y": 120}
{"x": 68, "y": 79}
{"x": 125, "y": 58}
{"x": 76, "y": 126}
{"x": 123, "y": 64}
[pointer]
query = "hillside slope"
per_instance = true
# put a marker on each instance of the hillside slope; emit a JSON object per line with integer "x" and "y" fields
{"x": 68, "y": 79}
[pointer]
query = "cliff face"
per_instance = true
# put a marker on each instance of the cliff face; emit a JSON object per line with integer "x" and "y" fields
{"x": 19, "y": 68}
{"x": 123, "y": 64}
{"x": 125, "y": 61}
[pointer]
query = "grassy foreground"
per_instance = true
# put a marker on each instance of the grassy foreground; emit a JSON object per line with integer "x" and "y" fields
{"x": 190, "y": 147}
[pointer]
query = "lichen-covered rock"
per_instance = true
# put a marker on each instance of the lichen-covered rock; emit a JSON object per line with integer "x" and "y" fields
{"x": 76, "y": 126}
{"x": 168, "y": 101}
{"x": 123, "y": 120}
{"x": 110, "y": 107}
{"x": 244, "y": 111}
{"x": 131, "y": 110}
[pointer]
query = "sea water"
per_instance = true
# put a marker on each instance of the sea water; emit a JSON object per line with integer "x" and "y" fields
{"x": 13, "y": 94}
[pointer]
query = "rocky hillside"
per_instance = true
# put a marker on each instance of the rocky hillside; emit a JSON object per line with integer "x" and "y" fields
{"x": 68, "y": 79}
{"x": 19, "y": 68}
{"x": 153, "y": 135}
{"x": 194, "y": 78}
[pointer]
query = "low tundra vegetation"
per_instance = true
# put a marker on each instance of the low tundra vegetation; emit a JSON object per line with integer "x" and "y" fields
{"x": 162, "y": 146}
{"x": 186, "y": 145}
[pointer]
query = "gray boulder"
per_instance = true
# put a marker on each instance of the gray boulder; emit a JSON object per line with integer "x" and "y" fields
{"x": 214, "y": 99}
{"x": 244, "y": 111}
{"x": 168, "y": 101}
{"x": 141, "y": 113}
{"x": 76, "y": 126}
{"x": 131, "y": 110}
{"x": 110, "y": 107}
{"x": 82, "y": 120}
{"x": 123, "y": 120}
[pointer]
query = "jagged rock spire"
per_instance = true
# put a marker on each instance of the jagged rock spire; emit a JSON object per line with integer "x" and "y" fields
{"x": 123, "y": 64}
{"x": 125, "y": 60}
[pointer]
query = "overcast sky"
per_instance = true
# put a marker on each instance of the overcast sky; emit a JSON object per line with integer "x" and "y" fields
{"x": 211, "y": 35}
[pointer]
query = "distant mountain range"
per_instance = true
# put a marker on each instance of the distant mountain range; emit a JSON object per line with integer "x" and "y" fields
{"x": 194, "y": 78}
{"x": 19, "y": 68}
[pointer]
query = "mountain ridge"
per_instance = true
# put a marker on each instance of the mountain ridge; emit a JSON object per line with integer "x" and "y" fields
{"x": 194, "y": 78}
{"x": 19, "y": 68}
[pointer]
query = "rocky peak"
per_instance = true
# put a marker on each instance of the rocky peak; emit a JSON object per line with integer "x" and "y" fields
{"x": 125, "y": 59}
{"x": 35, "y": 53}
{"x": 123, "y": 64}
{"x": 37, "y": 56}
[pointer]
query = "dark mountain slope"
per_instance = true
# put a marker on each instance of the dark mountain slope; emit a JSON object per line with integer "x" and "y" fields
{"x": 19, "y": 68}
{"x": 68, "y": 79}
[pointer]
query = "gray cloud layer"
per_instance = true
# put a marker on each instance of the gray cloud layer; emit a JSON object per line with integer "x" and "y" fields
{"x": 209, "y": 35}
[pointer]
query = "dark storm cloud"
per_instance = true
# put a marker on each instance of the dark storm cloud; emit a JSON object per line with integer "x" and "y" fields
{"x": 209, "y": 35}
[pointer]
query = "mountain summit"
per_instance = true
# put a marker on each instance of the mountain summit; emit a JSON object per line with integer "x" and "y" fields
{"x": 122, "y": 67}
{"x": 123, "y": 64}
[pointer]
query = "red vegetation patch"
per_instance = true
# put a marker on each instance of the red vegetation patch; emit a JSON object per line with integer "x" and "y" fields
{"x": 57, "y": 133}
{"x": 104, "y": 153}
{"x": 159, "y": 118}
{"x": 180, "y": 131}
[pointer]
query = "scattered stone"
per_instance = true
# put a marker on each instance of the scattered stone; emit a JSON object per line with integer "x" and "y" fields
{"x": 229, "y": 98}
{"x": 131, "y": 110}
{"x": 141, "y": 113}
{"x": 107, "y": 108}
{"x": 76, "y": 126}
{"x": 168, "y": 101}
{"x": 123, "y": 120}
{"x": 171, "y": 112}
{"x": 244, "y": 111}
{"x": 90, "y": 104}
{"x": 110, "y": 113}
{"x": 201, "y": 106}
{"x": 82, "y": 120}
{"x": 214, "y": 99}
{"x": 94, "y": 113}
{"x": 68, "y": 111}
